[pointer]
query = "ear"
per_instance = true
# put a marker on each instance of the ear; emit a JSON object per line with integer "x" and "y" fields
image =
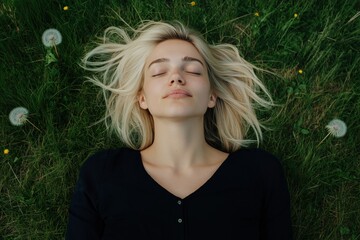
{"x": 212, "y": 100}
{"x": 142, "y": 101}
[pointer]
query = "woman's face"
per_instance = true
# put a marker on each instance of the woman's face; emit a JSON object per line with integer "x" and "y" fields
{"x": 176, "y": 83}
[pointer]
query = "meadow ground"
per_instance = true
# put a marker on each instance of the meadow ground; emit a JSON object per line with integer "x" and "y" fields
{"x": 311, "y": 48}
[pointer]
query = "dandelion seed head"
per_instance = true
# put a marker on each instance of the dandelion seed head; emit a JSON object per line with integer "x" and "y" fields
{"x": 18, "y": 116}
{"x": 337, "y": 128}
{"x": 51, "y": 37}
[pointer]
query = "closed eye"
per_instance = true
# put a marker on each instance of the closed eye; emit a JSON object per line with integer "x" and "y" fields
{"x": 195, "y": 73}
{"x": 158, "y": 74}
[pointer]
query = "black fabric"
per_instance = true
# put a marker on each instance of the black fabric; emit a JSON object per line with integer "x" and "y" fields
{"x": 115, "y": 198}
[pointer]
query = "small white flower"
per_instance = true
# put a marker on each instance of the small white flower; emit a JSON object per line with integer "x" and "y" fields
{"x": 18, "y": 116}
{"x": 51, "y": 37}
{"x": 337, "y": 128}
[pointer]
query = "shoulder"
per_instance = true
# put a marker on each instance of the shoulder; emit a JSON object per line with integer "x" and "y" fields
{"x": 103, "y": 161}
{"x": 255, "y": 156}
{"x": 263, "y": 168}
{"x": 258, "y": 160}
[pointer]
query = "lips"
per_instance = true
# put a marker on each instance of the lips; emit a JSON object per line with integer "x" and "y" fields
{"x": 177, "y": 93}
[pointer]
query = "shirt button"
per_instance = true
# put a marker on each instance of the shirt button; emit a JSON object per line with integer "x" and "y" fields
{"x": 179, "y": 202}
{"x": 179, "y": 220}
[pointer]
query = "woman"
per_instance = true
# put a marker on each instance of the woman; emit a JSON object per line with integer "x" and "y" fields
{"x": 182, "y": 107}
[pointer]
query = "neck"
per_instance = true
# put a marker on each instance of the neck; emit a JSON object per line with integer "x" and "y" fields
{"x": 179, "y": 144}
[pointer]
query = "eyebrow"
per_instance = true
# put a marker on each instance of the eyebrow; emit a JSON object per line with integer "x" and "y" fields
{"x": 185, "y": 59}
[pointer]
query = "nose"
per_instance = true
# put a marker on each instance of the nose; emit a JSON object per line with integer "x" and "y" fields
{"x": 178, "y": 81}
{"x": 176, "y": 78}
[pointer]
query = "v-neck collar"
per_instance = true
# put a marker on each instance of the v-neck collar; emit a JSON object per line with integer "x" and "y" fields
{"x": 199, "y": 189}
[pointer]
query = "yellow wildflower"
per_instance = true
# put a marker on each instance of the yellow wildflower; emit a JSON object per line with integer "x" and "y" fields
{"x": 257, "y": 14}
{"x": 6, "y": 151}
{"x": 300, "y": 71}
{"x": 66, "y": 8}
{"x": 296, "y": 15}
{"x": 193, "y": 3}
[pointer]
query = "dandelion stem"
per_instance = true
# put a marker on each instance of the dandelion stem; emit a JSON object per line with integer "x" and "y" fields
{"x": 57, "y": 54}
{"x": 324, "y": 139}
{"x": 33, "y": 125}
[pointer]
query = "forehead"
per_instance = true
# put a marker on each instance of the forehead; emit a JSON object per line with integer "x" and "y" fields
{"x": 174, "y": 48}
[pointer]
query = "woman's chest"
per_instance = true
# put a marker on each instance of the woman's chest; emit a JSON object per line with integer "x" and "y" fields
{"x": 215, "y": 210}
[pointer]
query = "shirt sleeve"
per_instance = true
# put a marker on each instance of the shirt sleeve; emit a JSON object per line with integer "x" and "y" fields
{"x": 276, "y": 223}
{"x": 84, "y": 219}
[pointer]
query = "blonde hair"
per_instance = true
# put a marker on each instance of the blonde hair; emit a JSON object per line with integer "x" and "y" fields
{"x": 119, "y": 64}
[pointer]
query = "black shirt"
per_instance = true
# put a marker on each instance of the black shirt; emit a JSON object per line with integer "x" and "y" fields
{"x": 115, "y": 198}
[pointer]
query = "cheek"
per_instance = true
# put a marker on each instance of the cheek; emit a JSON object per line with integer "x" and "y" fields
{"x": 205, "y": 93}
{"x": 203, "y": 87}
{"x": 152, "y": 94}
{"x": 151, "y": 90}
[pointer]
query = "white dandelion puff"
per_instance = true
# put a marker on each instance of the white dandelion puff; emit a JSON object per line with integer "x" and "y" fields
{"x": 51, "y": 37}
{"x": 337, "y": 128}
{"x": 18, "y": 116}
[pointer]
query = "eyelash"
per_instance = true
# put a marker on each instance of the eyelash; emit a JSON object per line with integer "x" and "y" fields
{"x": 159, "y": 74}
{"x": 195, "y": 73}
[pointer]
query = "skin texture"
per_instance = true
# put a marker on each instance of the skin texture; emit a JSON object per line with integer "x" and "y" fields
{"x": 177, "y": 93}
{"x": 176, "y": 84}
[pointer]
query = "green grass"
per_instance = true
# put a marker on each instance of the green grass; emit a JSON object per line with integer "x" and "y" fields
{"x": 38, "y": 175}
